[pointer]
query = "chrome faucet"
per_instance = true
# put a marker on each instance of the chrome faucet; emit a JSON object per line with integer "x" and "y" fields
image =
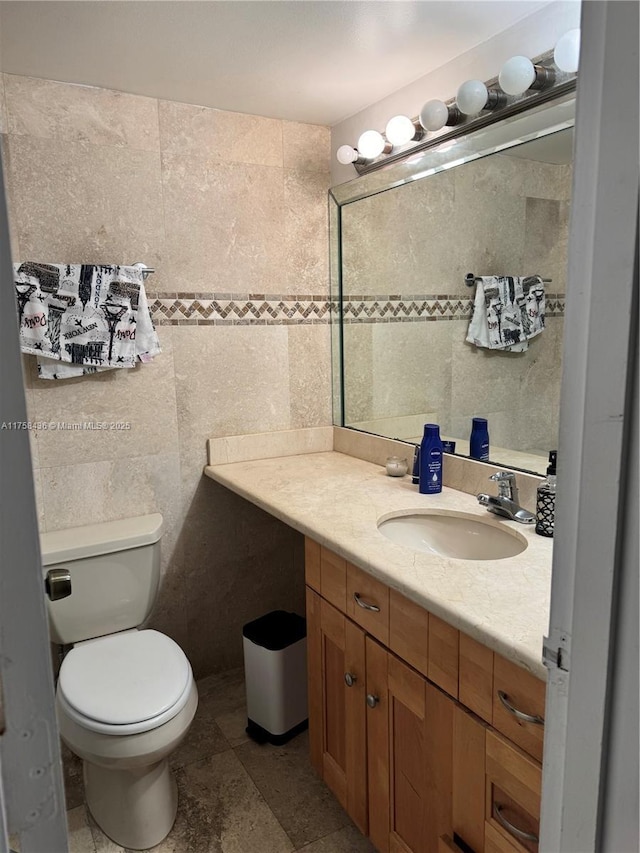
{"x": 505, "y": 503}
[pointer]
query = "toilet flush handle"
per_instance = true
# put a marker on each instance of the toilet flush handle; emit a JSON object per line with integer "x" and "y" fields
{"x": 57, "y": 583}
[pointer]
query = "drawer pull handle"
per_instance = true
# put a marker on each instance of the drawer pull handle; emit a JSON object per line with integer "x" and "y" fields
{"x": 513, "y": 830}
{"x": 373, "y": 607}
{"x": 372, "y": 700}
{"x": 519, "y": 715}
{"x": 349, "y": 679}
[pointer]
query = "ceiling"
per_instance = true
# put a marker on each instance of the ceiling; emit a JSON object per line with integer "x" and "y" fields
{"x": 315, "y": 61}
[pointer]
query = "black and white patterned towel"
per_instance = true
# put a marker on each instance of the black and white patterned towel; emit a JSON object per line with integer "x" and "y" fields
{"x": 507, "y": 312}
{"x": 83, "y": 318}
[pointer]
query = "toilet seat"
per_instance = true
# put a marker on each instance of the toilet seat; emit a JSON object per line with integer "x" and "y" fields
{"x": 125, "y": 683}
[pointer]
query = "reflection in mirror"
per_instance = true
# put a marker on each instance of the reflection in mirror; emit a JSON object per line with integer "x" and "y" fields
{"x": 406, "y": 307}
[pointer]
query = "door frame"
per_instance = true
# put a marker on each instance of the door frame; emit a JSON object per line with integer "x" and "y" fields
{"x": 597, "y": 403}
{"x": 32, "y": 803}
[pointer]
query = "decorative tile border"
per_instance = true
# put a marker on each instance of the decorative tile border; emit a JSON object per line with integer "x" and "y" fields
{"x": 237, "y": 309}
{"x": 390, "y": 308}
{"x": 274, "y": 309}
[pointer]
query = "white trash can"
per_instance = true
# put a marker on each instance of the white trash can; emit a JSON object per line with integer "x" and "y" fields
{"x": 275, "y": 668}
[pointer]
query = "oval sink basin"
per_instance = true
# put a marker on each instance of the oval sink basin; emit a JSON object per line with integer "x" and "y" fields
{"x": 452, "y": 534}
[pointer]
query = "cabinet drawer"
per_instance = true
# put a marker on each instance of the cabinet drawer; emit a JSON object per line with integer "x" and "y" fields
{"x": 513, "y": 786}
{"x": 516, "y": 695}
{"x": 494, "y": 842}
{"x": 368, "y": 603}
{"x": 409, "y": 631}
{"x": 333, "y": 578}
{"x": 443, "y": 655}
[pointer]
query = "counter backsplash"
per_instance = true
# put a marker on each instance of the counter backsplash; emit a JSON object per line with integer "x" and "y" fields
{"x": 465, "y": 475}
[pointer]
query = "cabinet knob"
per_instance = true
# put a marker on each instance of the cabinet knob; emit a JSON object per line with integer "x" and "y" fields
{"x": 372, "y": 700}
{"x": 349, "y": 679}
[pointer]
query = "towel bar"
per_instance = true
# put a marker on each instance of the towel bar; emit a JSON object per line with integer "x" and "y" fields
{"x": 146, "y": 271}
{"x": 470, "y": 279}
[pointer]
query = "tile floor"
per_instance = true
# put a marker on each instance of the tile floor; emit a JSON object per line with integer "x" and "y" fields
{"x": 235, "y": 796}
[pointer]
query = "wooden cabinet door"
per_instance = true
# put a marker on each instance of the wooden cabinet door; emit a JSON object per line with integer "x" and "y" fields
{"x": 469, "y": 779}
{"x": 377, "y": 700}
{"x": 407, "y": 759}
{"x": 421, "y": 731}
{"x": 314, "y": 679}
{"x": 337, "y": 720}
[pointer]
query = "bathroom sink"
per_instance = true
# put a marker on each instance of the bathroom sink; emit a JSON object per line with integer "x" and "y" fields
{"x": 452, "y": 534}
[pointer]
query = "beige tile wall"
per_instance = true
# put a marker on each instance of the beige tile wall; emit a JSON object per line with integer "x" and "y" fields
{"x": 216, "y": 202}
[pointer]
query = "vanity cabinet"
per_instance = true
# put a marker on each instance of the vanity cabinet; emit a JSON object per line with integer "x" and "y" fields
{"x": 409, "y": 720}
{"x": 336, "y": 663}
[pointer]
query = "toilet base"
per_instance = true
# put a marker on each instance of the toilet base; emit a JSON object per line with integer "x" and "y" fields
{"x": 134, "y": 807}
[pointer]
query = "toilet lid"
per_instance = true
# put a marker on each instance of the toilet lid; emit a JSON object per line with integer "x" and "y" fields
{"x": 126, "y": 678}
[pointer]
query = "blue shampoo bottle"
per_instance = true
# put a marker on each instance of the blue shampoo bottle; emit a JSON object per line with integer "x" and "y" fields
{"x": 479, "y": 441}
{"x": 431, "y": 461}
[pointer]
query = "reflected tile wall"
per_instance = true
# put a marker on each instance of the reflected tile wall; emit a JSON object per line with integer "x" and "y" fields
{"x": 219, "y": 203}
{"x": 358, "y": 372}
{"x": 406, "y": 252}
{"x": 412, "y": 369}
{"x": 490, "y": 216}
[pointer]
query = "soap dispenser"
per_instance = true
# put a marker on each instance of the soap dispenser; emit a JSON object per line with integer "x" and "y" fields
{"x": 546, "y": 499}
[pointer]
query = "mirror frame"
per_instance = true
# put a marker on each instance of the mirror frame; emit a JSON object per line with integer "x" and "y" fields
{"x": 537, "y": 116}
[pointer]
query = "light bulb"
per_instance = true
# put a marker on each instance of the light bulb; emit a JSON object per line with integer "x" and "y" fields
{"x": 434, "y": 115}
{"x": 346, "y": 154}
{"x": 566, "y": 54}
{"x": 472, "y": 97}
{"x": 517, "y": 75}
{"x": 371, "y": 144}
{"x": 400, "y": 130}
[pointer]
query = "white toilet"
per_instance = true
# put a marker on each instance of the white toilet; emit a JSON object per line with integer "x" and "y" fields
{"x": 125, "y": 697}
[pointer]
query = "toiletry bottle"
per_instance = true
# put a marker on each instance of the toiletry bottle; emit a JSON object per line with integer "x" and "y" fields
{"x": 546, "y": 499}
{"x": 431, "y": 461}
{"x": 415, "y": 473}
{"x": 479, "y": 440}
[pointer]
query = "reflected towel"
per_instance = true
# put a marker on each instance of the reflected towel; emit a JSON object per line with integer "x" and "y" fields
{"x": 508, "y": 311}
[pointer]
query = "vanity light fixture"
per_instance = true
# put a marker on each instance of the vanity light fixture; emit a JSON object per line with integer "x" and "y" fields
{"x": 436, "y": 114}
{"x": 566, "y": 54}
{"x": 519, "y": 74}
{"x": 473, "y": 97}
{"x": 522, "y": 83}
{"x": 346, "y": 154}
{"x": 400, "y": 130}
{"x": 372, "y": 144}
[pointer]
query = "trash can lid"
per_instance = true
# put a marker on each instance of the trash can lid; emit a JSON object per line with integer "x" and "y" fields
{"x": 276, "y": 630}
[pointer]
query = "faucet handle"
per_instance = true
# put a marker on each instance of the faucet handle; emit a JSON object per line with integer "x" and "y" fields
{"x": 503, "y": 475}
{"x": 507, "y": 487}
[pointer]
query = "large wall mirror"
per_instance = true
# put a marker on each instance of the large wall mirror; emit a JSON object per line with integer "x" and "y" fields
{"x": 494, "y": 202}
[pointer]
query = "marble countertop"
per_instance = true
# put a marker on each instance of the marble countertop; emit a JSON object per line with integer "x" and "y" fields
{"x": 337, "y": 500}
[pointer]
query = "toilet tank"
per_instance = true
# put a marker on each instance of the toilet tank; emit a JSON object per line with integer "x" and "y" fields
{"x": 115, "y": 573}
